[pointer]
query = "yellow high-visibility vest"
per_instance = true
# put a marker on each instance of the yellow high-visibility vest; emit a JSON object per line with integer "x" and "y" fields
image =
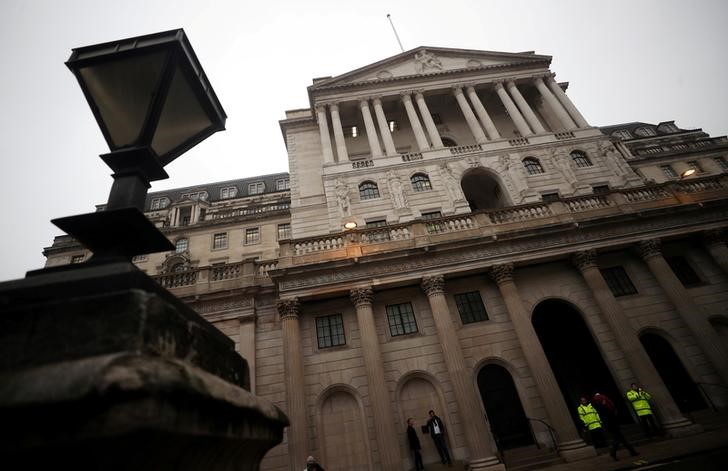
{"x": 640, "y": 401}
{"x": 589, "y": 415}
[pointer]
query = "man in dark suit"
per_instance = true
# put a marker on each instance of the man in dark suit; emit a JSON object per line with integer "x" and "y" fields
{"x": 436, "y": 428}
{"x": 414, "y": 444}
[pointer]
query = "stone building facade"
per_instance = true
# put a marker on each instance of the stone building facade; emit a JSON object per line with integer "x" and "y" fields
{"x": 455, "y": 236}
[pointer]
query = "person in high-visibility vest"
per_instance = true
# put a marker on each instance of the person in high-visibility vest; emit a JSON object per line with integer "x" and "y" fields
{"x": 640, "y": 400}
{"x": 592, "y": 423}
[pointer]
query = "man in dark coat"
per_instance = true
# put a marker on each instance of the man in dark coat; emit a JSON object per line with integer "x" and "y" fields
{"x": 608, "y": 413}
{"x": 436, "y": 428}
{"x": 414, "y": 444}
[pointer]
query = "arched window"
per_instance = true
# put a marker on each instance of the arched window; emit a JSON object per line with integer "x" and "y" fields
{"x": 368, "y": 190}
{"x": 580, "y": 159}
{"x": 420, "y": 182}
{"x": 645, "y": 131}
{"x": 533, "y": 166}
{"x": 447, "y": 142}
{"x": 181, "y": 245}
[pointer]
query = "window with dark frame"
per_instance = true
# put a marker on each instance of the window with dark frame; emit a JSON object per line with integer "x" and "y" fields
{"x": 471, "y": 308}
{"x": 368, "y": 190}
{"x": 420, "y": 182}
{"x": 283, "y": 184}
{"x": 668, "y": 171}
{"x": 580, "y": 159}
{"x": 330, "y": 331}
{"x": 401, "y": 319}
{"x": 683, "y": 271}
{"x": 532, "y": 165}
{"x": 618, "y": 281}
{"x": 549, "y": 197}
{"x": 600, "y": 189}
{"x": 695, "y": 165}
{"x": 284, "y": 231}
{"x": 722, "y": 163}
{"x": 219, "y": 241}
{"x": 252, "y": 235}
{"x": 181, "y": 245}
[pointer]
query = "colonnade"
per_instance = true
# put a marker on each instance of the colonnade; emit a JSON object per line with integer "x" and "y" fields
{"x": 425, "y": 131}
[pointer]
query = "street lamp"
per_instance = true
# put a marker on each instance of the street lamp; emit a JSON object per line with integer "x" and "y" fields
{"x": 687, "y": 173}
{"x": 152, "y": 102}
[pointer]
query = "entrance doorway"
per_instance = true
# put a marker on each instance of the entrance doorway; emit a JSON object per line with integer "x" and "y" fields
{"x": 684, "y": 391}
{"x": 482, "y": 190}
{"x": 574, "y": 357}
{"x": 508, "y": 422}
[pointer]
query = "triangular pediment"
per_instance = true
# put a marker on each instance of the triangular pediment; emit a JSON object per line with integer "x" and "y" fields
{"x": 427, "y": 61}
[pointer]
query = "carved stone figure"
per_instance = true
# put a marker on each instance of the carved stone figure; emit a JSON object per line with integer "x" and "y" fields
{"x": 344, "y": 200}
{"x": 563, "y": 165}
{"x": 452, "y": 185}
{"x": 399, "y": 200}
{"x": 426, "y": 60}
{"x": 513, "y": 173}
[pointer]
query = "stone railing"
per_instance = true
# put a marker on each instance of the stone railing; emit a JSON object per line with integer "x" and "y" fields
{"x": 411, "y": 156}
{"x": 225, "y": 271}
{"x": 458, "y": 150}
{"x": 362, "y": 163}
{"x": 178, "y": 279}
{"x": 564, "y": 135}
{"x": 318, "y": 244}
{"x": 384, "y": 234}
{"x": 263, "y": 267}
{"x": 449, "y": 224}
{"x": 588, "y": 202}
{"x": 519, "y": 141}
{"x": 697, "y": 186}
{"x": 519, "y": 213}
{"x": 636, "y": 195}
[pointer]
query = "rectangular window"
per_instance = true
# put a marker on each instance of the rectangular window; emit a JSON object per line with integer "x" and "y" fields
{"x": 683, "y": 271}
{"x": 618, "y": 281}
{"x": 471, "y": 308}
{"x": 600, "y": 189}
{"x": 722, "y": 163}
{"x": 668, "y": 171}
{"x": 159, "y": 203}
{"x": 350, "y": 130}
{"x": 549, "y": 197}
{"x": 140, "y": 258}
{"x": 252, "y": 235}
{"x": 401, "y": 319}
{"x": 228, "y": 192}
{"x": 377, "y": 223}
{"x": 284, "y": 231}
{"x": 393, "y": 125}
{"x": 219, "y": 241}
{"x": 693, "y": 164}
{"x": 256, "y": 188}
{"x": 436, "y": 226}
{"x": 330, "y": 331}
{"x": 283, "y": 184}
{"x": 380, "y": 235}
{"x": 77, "y": 259}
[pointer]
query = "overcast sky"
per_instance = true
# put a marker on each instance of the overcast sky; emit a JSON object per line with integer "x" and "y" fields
{"x": 625, "y": 61}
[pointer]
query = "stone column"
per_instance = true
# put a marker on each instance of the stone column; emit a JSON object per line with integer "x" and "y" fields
{"x": 374, "y": 147}
{"x": 378, "y": 394}
{"x": 429, "y": 123}
{"x": 571, "y": 446}
{"x": 476, "y": 432}
{"x": 415, "y": 122}
{"x": 469, "y": 116}
{"x": 555, "y": 105}
{"x": 384, "y": 127}
{"x": 482, "y": 114}
{"x": 512, "y": 110}
{"x": 566, "y": 101}
{"x": 298, "y": 446}
{"x": 323, "y": 124}
{"x": 715, "y": 241}
{"x": 525, "y": 108}
{"x": 673, "y": 421}
{"x": 705, "y": 336}
{"x": 341, "y": 151}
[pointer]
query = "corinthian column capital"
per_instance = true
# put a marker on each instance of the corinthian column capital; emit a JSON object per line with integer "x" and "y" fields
{"x": 361, "y": 296}
{"x": 585, "y": 259}
{"x": 433, "y": 285}
{"x": 649, "y": 248}
{"x": 288, "y": 308}
{"x": 502, "y": 273}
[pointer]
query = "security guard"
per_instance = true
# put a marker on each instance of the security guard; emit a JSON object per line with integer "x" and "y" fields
{"x": 640, "y": 400}
{"x": 589, "y": 415}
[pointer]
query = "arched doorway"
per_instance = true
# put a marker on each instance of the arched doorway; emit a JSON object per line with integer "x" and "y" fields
{"x": 574, "y": 357}
{"x": 344, "y": 433}
{"x": 482, "y": 190}
{"x": 416, "y": 397}
{"x": 684, "y": 391}
{"x": 508, "y": 422}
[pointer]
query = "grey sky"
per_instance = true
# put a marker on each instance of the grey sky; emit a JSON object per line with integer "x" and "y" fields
{"x": 625, "y": 61}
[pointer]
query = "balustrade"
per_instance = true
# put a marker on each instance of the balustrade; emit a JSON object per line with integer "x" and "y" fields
{"x": 177, "y": 279}
{"x": 262, "y": 268}
{"x": 411, "y": 156}
{"x": 318, "y": 244}
{"x": 564, "y": 135}
{"x": 449, "y": 224}
{"x": 458, "y": 150}
{"x": 225, "y": 271}
{"x": 636, "y": 195}
{"x": 520, "y": 213}
{"x": 519, "y": 141}
{"x": 586, "y": 203}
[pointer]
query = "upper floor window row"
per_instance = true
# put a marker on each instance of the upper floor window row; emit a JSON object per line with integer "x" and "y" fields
{"x": 283, "y": 184}
{"x": 196, "y": 195}
{"x": 368, "y": 190}
{"x": 532, "y": 165}
{"x": 256, "y": 188}
{"x": 159, "y": 203}
{"x": 420, "y": 182}
{"x": 645, "y": 131}
{"x": 580, "y": 159}
{"x": 228, "y": 192}
{"x": 622, "y": 134}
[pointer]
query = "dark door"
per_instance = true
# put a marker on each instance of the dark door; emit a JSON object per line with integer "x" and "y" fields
{"x": 502, "y": 405}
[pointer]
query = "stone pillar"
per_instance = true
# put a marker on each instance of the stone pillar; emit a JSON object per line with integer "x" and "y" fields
{"x": 512, "y": 110}
{"x": 415, "y": 122}
{"x": 378, "y": 394}
{"x": 715, "y": 241}
{"x": 673, "y": 421}
{"x": 246, "y": 340}
{"x": 482, "y": 114}
{"x": 476, "y": 432}
{"x": 571, "y": 446}
{"x": 555, "y": 105}
{"x": 341, "y": 151}
{"x": 429, "y": 123}
{"x": 469, "y": 116}
{"x": 326, "y": 149}
{"x": 384, "y": 127}
{"x": 298, "y": 445}
{"x": 374, "y": 147}
{"x": 525, "y": 108}
{"x": 705, "y": 336}
{"x": 566, "y": 101}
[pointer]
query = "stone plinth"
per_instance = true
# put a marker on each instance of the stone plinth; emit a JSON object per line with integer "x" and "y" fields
{"x": 100, "y": 368}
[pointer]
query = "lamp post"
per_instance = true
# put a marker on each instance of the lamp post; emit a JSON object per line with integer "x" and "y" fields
{"x": 152, "y": 102}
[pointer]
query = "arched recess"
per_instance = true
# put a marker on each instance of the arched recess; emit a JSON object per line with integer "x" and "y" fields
{"x": 678, "y": 381}
{"x": 418, "y": 394}
{"x": 720, "y": 324}
{"x": 506, "y": 416}
{"x": 342, "y": 430}
{"x": 574, "y": 356}
{"x": 483, "y": 190}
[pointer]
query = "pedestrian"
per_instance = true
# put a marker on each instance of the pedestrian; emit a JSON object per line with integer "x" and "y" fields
{"x": 436, "y": 429}
{"x": 640, "y": 400}
{"x": 610, "y": 419}
{"x": 312, "y": 465}
{"x": 592, "y": 423}
{"x": 414, "y": 444}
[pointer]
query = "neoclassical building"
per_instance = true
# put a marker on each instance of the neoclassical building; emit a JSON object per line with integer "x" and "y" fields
{"x": 454, "y": 235}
